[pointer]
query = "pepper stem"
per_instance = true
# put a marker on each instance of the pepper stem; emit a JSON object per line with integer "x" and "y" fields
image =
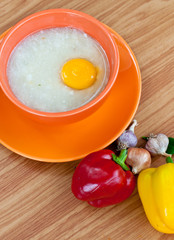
{"x": 121, "y": 159}
{"x": 169, "y": 160}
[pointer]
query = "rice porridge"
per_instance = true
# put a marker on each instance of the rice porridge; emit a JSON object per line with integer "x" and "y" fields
{"x": 35, "y": 65}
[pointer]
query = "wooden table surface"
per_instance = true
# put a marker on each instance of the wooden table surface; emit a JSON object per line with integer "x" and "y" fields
{"x": 35, "y": 198}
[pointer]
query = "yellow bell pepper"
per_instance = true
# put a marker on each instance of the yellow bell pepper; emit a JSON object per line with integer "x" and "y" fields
{"x": 156, "y": 190}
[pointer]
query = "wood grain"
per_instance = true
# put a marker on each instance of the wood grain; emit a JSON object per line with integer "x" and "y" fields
{"x": 36, "y": 200}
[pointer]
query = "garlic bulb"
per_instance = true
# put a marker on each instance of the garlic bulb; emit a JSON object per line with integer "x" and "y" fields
{"x": 157, "y": 144}
{"x": 127, "y": 138}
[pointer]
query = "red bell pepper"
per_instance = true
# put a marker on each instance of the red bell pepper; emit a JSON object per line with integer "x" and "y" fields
{"x": 103, "y": 179}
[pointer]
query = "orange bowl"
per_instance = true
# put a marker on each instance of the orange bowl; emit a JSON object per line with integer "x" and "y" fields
{"x": 71, "y": 141}
{"x": 59, "y": 18}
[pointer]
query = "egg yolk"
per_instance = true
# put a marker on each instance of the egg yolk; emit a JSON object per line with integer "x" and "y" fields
{"x": 78, "y": 73}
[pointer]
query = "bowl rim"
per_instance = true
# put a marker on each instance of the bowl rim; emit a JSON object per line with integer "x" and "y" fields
{"x": 93, "y": 102}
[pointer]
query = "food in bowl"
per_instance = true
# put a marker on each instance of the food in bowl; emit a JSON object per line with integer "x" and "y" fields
{"x": 57, "y": 69}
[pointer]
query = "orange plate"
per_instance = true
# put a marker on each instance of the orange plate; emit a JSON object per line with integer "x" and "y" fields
{"x": 67, "y": 142}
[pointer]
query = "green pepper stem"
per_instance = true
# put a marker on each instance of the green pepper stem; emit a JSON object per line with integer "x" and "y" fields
{"x": 121, "y": 159}
{"x": 169, "y": 160}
